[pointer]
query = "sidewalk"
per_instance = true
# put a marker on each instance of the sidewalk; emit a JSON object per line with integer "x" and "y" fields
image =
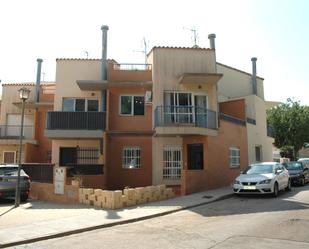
{"x": 39, "y": 220}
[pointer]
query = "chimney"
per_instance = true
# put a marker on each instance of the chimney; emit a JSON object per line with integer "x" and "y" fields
{"x": 38, "y": 80}
{"x": 104, "y": 29}
{"x": 211, "y": 38}
{"x": 254, "y": 85}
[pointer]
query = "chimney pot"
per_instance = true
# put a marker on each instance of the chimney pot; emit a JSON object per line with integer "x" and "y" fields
{"x": 211, "y": 38}
{"x": 104, "y": 27}
{"x": 254, "y": 59}
{"x": 254, "y": 82}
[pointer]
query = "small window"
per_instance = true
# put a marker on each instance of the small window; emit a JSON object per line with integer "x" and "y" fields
{"x": 79, "y": 105}
{"x": 172, "y": 162}
{"x": 258, "y": 153}
{"x": 9, "y": 157}
{"x": 234, "y": 157}
{"x": 68, "y": 105}
{"x": 93, "y": 105}
{"x": 132, "y": 105}
{"x": 131, "y": 157}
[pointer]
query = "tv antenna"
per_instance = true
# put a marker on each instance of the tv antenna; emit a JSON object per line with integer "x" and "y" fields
{"x": 144, "y": 51}
{"x": 194, "y": 35}
{"x": 87, "y": 54}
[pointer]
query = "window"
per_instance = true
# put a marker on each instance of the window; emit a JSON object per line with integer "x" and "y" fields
{"x": 132, "y": 105}
{"x": 172, "y": 162}
{"x": 9, "y": 157}
{"x": 131, "y": 157}
{"x": 80, "y": 105}
{"x": 258, "y": 153}
{"x": 234, "y": 157}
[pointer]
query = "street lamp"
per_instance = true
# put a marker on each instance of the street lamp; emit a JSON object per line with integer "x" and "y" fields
{"x": 23, "y": 95}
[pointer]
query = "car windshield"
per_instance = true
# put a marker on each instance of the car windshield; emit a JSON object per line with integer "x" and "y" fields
{"x": 258, "y": 169}
{"x": 293, "y": 166}
{"x": 8, "y": 170}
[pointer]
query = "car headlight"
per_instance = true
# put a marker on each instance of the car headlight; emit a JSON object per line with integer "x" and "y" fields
{"x": 267, "y": 181}
{"x": 236, "y": 182}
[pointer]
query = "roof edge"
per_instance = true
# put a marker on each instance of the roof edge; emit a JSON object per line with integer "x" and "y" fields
{"x": 238, "y": 70}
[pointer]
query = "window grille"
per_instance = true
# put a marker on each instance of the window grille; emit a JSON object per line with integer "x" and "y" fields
{"x": 131, "y": 157}
{"x": 234, "y": 157}
{"x": 172, "y": 162}
{"x": 87, "y": 155}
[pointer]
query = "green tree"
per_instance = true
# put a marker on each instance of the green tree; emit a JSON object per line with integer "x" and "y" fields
{"x": 290, "y": 124}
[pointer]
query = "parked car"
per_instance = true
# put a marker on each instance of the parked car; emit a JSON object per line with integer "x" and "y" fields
{"x": 8, "y": 181}
{"x": 298, "y": 171}
{"x": 263, "y": 178}
{"x": 304, "y": 160}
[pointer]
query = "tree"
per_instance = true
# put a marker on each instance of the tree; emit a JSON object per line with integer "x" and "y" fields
{"x": 290, "y": 124}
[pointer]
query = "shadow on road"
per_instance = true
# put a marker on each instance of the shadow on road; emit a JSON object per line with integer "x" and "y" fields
{"x": 297, "y": 199}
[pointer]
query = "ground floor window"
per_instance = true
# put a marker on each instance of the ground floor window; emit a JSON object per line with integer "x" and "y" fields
{"x": 234, "y": 157}
{"x": 79, "y": 155}
{"x": 131, "y": 157}
{"x": 9, "y": 157}
{"x": 258, "y": 153}
{"x": 172, "y": 162}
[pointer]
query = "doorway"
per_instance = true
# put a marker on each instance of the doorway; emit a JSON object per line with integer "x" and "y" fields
{"x": 195, "y": 156}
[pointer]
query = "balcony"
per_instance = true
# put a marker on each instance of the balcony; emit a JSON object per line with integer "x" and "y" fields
{"x": 182, "y": 120}
{"x": 75, "y": 124}
{"x": 12, "y": 132}
{"x": 129, "y": 74}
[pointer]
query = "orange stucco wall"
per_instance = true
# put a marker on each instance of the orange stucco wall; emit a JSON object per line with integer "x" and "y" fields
{"x": 118, "y": 177}
{"x": 235, "y": 108}
{"x": 217, "y": 172}
{"x": 117, "y": 122}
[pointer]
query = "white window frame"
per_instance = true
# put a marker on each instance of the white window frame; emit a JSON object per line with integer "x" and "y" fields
{"x": 237, "y": 157}
{"x": 86, "y": 103}
{"x": 9, "y": 152}
{"x": 172, "y": 165}
{"x": 132, "y": 104}
{"x": 129, "y": 154}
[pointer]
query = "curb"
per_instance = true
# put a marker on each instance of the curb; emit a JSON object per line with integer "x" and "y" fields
{"x": 88, "y": 229}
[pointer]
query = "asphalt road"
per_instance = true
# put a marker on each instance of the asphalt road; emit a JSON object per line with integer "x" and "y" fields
{"x": 238, "y": 222}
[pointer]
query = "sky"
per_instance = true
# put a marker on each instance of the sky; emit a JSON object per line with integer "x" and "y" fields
{"x": 274, "y": 31}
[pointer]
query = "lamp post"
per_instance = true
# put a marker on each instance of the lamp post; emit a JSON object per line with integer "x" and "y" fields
{"x": 23, "y": 95}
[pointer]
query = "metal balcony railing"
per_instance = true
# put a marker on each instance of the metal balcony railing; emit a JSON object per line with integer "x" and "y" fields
{"x": 13, "y": 132}
{"x": 75, "y": 120}
{"x": 132, "y": 67}
{"x": 184, "y": 116}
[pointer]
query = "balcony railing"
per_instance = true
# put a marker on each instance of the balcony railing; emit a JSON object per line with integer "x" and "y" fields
{"x": 132, "y": 67}
{"x": 75, "y": 121}
{"x": 185, "y": 116}
{"x": 13, "y": 132}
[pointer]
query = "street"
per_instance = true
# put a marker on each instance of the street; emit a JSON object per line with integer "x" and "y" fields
{"x": 238, "y": 222}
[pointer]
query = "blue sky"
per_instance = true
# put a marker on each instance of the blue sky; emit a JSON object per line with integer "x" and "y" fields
{"x": 274, "y": 31}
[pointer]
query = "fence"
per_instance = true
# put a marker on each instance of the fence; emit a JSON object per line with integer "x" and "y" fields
{"x": 39, "y": 172}
{"x": 84, "y": 169}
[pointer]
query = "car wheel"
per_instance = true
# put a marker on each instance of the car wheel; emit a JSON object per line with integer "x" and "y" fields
{"x": 302, "y": 181}
{"x": 24, "y": 198}
{"x": 288, "y": 187}
{"x": 276, "y": 190}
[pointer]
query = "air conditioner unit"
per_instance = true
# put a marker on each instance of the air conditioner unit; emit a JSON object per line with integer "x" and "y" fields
{"x": 148, "y": 97}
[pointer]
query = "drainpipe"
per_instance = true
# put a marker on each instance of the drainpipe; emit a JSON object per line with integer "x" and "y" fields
{"x": 104, "y": 29}
{"x": 254, "y": 84}
{"x": 38, "y": 80}
{"x": 212, "y": 38}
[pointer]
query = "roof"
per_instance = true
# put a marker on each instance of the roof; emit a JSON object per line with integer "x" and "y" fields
{"x": 188, "y": 48}
{"x": 233, "y": 68}
{"x": 44, "y": 83}
{"x": 83, "y": 59}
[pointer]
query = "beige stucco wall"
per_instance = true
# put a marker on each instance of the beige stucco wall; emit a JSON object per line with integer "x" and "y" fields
{"x": 257, "y": 134}
{"x": 170, "y": 64}
{"x": 10, "y": 95}
{"x": 235, "y": 84}
{"x": 158, "y": 144}
{"x": 67, "y": 72}
{"x": 56, "y": 144}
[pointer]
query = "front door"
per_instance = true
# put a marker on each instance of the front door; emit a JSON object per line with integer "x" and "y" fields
{"x": 195, "y": 156}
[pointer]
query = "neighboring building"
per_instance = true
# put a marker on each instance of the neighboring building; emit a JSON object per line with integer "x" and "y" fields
{"x": 36, "y": 148}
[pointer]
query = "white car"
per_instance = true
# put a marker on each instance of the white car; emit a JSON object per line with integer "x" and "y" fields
{"x": 263, "y": 178}
{"x": 304, "y": 160}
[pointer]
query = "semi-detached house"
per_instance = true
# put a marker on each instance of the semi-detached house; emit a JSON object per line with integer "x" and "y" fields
{"x": 183, "y": 120}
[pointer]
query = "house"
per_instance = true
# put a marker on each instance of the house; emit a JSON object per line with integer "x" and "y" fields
{"x": 36, "y": 148}
{"x": 183, "y": 120}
